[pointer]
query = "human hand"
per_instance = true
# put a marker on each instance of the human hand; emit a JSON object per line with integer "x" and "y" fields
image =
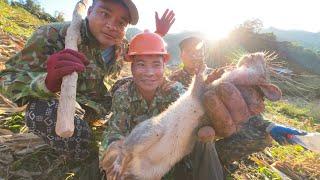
{"x": 63, "y": 63}
{"x": 283, "y": 134}
{"x": 164, "y": 23}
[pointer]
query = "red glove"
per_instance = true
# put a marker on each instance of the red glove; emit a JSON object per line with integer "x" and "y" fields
{"x": 163, "y": 25}
{"x": 63, "y": 63}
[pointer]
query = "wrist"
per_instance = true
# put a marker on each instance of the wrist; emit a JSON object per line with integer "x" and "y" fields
{"x": 270, "y": 127}
{"x": 38, "y": 85}
{"x": 51, "y": 85}
{"x": 159, "y": 33}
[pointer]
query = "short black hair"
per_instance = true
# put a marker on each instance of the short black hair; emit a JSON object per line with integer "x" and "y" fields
{"x": 188, "y": 40}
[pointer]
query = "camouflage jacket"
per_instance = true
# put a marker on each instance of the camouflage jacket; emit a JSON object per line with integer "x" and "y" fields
{"x": 25, "y": 72}
{"x": 129, "y": 108}
{"x": 185, "y": 77}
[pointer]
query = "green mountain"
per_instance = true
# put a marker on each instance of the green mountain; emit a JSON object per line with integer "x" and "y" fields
{"x": 306, "y": 39}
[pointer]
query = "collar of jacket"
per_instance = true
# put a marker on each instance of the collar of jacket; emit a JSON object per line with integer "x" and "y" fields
{"x": 135, "y": 95}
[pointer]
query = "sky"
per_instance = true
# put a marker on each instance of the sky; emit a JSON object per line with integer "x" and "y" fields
{"x": 216, "y": 18}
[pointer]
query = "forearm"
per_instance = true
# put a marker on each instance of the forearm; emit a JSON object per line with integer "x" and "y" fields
{"x": 22, "y": 85}
{"x": 24, "y": 74}
{"x": 38, "y": 87}
{"x": 110, "y": 136}
{"x": 117, "y": 129}
{"x": 251, "y": 138}
{"x": 260, "y": 123}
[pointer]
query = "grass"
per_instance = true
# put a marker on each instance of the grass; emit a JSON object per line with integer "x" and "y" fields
{"x": 291, "y": 160}
{"x": 294, "y": 114}
{"x": 14, "y": 122}
{"x": 17, "y": 21}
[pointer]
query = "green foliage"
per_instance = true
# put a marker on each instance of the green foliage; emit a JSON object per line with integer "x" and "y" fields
{"x": 295, "y": 114}
{"x": 14, "y": 123}
{"x": 269, "y": 173}
{"x": 299, "y": 159}
{"x": 287, "y": 109}
{"x": 59, "y": 16}
{"x": 315, "y": 111}
{"x": 304, "y": 57}
{"x": 17, "y": 21}
{"x": 253, "y": 26}
{"x": 247, "y": 36}
{"x": 34, "y": 8}
{"x": 291, "y": 160}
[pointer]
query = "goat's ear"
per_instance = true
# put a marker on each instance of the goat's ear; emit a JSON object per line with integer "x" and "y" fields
{"x": 271, "y": 92}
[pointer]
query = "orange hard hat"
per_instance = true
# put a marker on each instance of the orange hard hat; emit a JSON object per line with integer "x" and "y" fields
{"x": 147, "y": 43}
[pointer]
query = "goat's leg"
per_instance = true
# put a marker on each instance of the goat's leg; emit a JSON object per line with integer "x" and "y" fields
{"x": 144, "y": 136}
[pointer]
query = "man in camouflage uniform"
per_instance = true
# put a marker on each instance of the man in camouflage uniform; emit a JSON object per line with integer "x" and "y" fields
{"x": 132, "y": 104}
{"x": 34, "y": 75}
{"x": 129, "y": 108}
{"x": 255, "y": 134}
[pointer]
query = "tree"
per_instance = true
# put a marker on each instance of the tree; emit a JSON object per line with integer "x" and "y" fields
{"x": 59, "y": 16}
{"x": 33, "y": 6}
{"x": 254, "y": 25}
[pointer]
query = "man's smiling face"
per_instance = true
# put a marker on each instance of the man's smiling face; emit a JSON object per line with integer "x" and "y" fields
{"x": 107, "y": 21}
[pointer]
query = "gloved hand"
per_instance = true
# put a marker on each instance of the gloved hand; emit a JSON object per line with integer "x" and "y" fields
{"x": 163, "y": 25}
{"x": 63, "y": 63}
{"x": 283, "y": 134}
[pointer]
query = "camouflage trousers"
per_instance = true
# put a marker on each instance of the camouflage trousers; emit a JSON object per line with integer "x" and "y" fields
{"x": 250, "y": 139}
{"x": 41, "y": 118}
